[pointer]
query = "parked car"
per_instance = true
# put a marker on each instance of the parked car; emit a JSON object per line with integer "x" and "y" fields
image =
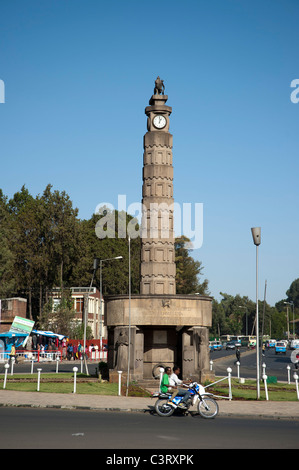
{"x": 215, "y": 345}
{"x": 280, "y": 347}
{"x": 233, "y": 344}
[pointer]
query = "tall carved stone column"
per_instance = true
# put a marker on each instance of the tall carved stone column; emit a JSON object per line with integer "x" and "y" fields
{"x": 157, "y": 246}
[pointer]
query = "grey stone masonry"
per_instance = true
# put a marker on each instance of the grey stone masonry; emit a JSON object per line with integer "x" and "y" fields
{"x": 157, "y": 241}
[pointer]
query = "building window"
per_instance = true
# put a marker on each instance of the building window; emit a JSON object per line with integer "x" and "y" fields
{"x": 79, "y": 305}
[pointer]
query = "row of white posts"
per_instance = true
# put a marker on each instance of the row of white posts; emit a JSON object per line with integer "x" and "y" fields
{"x": 32, "y": 364}
{"x": 6, "y": 367}
{"x": 229, "y": 371}
{"x": 264, "y": 377}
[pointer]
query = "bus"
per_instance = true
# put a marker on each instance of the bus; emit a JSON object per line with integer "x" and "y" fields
{"x": 248, "y": 340}
{"x": 244, "y": 339}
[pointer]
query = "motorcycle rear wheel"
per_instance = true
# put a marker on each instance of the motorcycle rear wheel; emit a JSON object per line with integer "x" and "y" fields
{"x": 208, "y": 407}
{"x": 162, "y": 408}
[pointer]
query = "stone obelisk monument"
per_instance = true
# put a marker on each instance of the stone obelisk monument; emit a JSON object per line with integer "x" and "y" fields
{"x": 164, "y": 328}
{"x": 157, "y": 241}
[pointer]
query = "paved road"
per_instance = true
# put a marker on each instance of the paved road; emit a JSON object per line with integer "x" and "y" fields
{"x": 276, "y": 365}
{"x": 65, "y": 429}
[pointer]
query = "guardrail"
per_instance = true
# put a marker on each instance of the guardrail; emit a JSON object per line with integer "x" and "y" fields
{"x": 49, "y": 356}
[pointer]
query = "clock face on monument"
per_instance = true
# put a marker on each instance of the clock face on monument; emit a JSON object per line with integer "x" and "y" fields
{"x": 159, "y": 121}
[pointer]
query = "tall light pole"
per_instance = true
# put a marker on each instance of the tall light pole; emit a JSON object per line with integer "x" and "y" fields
{"x": 292, "y": 303}
{"x": 246, "y": 319}
{"x": 95, "y": 265}
{"x": 129, "y": 345}
{"x": 256, "y": 235}
{"x": 101, "y": 298}
{"x": 288, "y": 323}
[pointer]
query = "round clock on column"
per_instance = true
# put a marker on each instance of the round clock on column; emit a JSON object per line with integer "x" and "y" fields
{"x": 159, "y": 121}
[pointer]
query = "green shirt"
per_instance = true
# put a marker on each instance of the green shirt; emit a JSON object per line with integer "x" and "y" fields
{"x": 164, "y": 384}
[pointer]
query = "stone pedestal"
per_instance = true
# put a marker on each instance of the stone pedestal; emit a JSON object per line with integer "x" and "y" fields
{"x": 165, "y": 330}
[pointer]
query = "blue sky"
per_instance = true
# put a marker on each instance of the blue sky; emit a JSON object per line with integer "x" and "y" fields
{"x": 78, "y": 75}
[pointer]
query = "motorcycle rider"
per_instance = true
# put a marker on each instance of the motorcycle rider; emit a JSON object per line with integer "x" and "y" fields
{"x": 174, "y": 382}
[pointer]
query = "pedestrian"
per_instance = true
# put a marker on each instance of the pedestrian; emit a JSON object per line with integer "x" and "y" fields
{"x": 69, "y": 351}
{"x": 238, "y": 355}
{"x": 13, "y": 354}
{"x": 263, "y": 349}
{"x": 75, "y": 348}
{"x": 79, "y": 350}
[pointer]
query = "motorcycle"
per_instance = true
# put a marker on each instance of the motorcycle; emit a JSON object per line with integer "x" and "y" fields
{"x": 206, "y": 405}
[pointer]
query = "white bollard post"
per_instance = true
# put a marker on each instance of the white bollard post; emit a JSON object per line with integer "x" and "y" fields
{"x": 119, "y": 382}
{"x": 12, "y": 364}
{"x": 38, "y": 378}
{"x": 75, "y": 370}
{"x": 211, "y": 365}
{"x": 266, "y": 388}
{"x": 238, "y": 369}
{"x": 57, "y": 363}
{"x": 6, "y": 367}
{"x": 32, "y": 362}
{"x": 296, "y": 380}
{"x": 229, "y": 371}
{"x": 81, "y": 360}
{"x": 289, "y": 368}
{"x": 264, "y": 368}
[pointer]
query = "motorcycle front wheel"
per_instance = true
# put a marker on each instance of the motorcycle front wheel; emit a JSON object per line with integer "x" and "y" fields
{"x": 208, "y": 407}
{"x": 162, "y": 408}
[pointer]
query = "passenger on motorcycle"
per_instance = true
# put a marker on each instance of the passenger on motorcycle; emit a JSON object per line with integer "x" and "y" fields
{"x": 164, "y": 386}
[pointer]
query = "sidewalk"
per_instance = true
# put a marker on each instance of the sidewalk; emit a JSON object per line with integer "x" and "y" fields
{"x": 261, "y": 409}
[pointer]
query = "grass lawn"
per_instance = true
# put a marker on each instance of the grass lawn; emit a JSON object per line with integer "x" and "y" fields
{"x": 64, "y": 383}
{"x": 247, "y": 391}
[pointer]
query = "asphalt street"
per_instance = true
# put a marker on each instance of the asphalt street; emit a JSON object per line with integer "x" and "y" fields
{"x": 276, "y": 365}
{"x": 78, "y": 429}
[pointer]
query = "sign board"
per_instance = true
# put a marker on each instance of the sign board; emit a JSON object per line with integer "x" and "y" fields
{"x": 21, "y": 325}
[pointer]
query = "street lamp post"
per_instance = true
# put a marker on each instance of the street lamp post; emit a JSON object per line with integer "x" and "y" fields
{"x": 292, "y": 303}
{"x": 129, "y": 345}
{"x": 288, "y": 320}
{"x": 95, "y": 266}
{"x": 101, "y": 299}
{"x": 256, "y": 234}
{"x": 246, "y": 319}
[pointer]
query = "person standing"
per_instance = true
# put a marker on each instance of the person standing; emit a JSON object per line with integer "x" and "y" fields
{"x": 13, "y": 354}
{"x": 238, "y": 355}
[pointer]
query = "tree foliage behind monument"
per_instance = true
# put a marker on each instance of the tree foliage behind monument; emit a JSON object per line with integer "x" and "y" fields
{"x": 44, "y": 245}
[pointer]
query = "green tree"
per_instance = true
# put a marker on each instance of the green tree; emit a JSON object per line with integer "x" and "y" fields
{"x": 115, "y": 273}
{"x": 24, "y": 240}
{"x": 293, "y": 293}
{"x": 188, "y": 270}
{"x": 7, "y": 281}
